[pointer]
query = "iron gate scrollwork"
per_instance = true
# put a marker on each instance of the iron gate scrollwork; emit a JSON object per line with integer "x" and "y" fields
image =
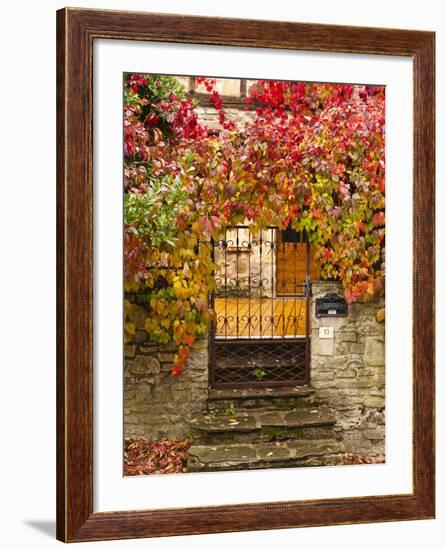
{"x": 260, "y": 332}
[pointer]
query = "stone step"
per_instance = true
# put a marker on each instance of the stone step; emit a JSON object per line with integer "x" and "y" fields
{"x": 290, "y": 453}
{"x": 258, "y": 425}
{"x": 273, "y": 398}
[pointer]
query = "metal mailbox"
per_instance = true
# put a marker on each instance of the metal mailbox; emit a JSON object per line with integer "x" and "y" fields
{"x": 331, "y": 305}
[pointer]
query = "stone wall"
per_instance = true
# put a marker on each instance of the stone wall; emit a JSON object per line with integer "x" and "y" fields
{"x": 233, "y": 92}
{"x": 158, "y": 405}
{"x": 348, "y": 373}
{"x": 209, "y": 116}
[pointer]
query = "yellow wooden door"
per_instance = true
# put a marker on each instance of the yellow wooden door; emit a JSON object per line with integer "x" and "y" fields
{"x": 291, "y": 266}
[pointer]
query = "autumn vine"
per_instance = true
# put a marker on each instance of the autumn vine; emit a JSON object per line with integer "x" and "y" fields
{"x": 311, "y": 157}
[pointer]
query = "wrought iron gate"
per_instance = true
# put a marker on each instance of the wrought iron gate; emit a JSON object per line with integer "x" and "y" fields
{"x": 260, "y": 333}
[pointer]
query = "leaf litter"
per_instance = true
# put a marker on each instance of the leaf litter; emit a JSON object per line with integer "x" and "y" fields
{"x": 167, "y": 456}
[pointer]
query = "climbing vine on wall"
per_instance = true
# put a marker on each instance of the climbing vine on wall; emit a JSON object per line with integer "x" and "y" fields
{"x": 312, "y": 158}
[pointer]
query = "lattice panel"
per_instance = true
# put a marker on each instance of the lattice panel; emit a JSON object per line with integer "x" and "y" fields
{"x": 241, "y": 363}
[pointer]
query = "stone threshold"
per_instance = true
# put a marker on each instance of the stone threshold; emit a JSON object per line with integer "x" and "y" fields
{"x": 259, "y": 393}
{"x": 264, "y": 455}
{"x": 258, "y": 419}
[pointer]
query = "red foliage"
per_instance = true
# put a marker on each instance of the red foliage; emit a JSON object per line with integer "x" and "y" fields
{"x": 351, "y": 458}
{"x": 168, "y": 456}
{"x": 312, "y": 158}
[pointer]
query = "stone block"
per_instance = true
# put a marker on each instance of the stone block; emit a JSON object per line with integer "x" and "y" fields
{"x": 380, "y": 379}
{"x": 324, "y": 375}
{"x": 130, "y": 419}
{"x": 346, "y": 408}
{"x": 158, "y": 433}
{"x": 321, "y": 346}
{"x": 166, "y": 357}
{"x": 133, "y": 430}
{"x": 170, "y": 346}
{"x": 138, "y": 315}
{"x": 201, "y": 343}
{"x": 162, "y": 393}
{"x": 143, "y": 394}
{"x": 346, "y": 384}
{"x": 367, "y": 329}
{"x": 129, "y": 351}
{"x": 328, "y": 364}
{"x": 129, "y": 393}
{"x": 374, "y": 351}
{"x": 347, "y": 336}
{"x": 374, "y": 402}
{"x": 356, "y": 348}
{"x": 374, "y": 435}
{"x": 342, "y": 348}
{"x": 140, "y": 336}
{"x": 181, "y": 395}
{"x": 148, "y": 349}
{"x": 140, "y": 408}
{"x": 346, "y": 373}
{"x": 377, "y": 392}
{"x": 177, "y": 432}
{"x": 166, "y": 369}
{"x": 184, "y": 81}
{"x": 364, "y": 382}
{"x": 144, "y": 365}
{"x": 365, "y": 371}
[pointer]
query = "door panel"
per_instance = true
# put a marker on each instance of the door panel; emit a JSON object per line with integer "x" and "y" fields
{"x": 291, "y": 258}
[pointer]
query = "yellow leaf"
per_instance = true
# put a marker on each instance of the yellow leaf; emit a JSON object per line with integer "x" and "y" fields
{"x": 130, "y": 328}
{"x": 165, "y": 323}
{"x": 381, "y": 315}
{"x": 150, "y": 325}
{"x": 127, "y": 307}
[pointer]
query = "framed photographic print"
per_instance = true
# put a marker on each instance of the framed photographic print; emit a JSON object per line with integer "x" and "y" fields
{"x": 245, "y": 275}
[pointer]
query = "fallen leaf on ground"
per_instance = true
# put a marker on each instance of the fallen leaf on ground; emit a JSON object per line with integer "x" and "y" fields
{"x": 167, "y": 456}
{"x": 351, "y": 458}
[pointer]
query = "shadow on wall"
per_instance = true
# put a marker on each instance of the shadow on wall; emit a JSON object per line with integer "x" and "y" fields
{"x": 45, "y": 526}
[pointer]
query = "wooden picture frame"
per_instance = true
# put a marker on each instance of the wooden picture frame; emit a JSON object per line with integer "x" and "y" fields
{"x": 77, "y": 29}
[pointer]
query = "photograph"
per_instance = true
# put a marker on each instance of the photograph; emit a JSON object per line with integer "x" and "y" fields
{"x": 254, "y": 274}
{"x": 231, "y": 224}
